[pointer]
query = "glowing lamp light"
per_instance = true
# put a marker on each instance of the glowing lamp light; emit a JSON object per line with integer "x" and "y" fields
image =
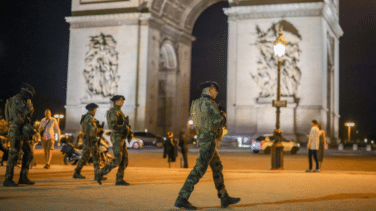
{"x": 61, "y": 116}
{"x": 190, "y": 122}
{"x": 56, "y": 115}
{"x": 279, "y": 50}
{"x": 350, "y": 124}
{"x": 280, "y": 45}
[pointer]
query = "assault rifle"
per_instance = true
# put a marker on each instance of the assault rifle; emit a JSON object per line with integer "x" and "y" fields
{"x": 101, "y": 131}
{"x": 128, "y": 134}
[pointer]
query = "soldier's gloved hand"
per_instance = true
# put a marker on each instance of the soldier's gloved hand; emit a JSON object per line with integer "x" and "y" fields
{"x": 130, "y": 135}
{"x": 100, "y": 132}
{"x": 125, "y": 129}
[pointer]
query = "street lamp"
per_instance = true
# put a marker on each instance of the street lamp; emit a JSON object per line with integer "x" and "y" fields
{"x": 58, "y": 117}
{"x": 349, "y": 125}
{"x": 277, "y": 148}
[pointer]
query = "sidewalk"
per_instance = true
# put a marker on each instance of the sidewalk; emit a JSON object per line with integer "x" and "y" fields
{"x": 157, "y": 189}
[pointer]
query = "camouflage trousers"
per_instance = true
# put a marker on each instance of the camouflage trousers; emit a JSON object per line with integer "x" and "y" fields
{"x": 120, "y": 158}
{"x": 18, "y": 143}
{"x": 208, "y": 156}
{"x": 89, "y": 150}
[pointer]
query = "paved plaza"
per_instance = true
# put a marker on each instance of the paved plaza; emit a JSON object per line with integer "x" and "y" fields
{"x": 156, "y": 188}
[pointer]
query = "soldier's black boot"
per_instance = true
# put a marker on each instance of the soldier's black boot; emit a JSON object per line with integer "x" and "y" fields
{"x": 184, "y": 203}
{"x": 120, "y": 181}
{"x": 78, "y": 175}
{"x": 24, "y": 180}
{"x": 8, "y": 182}
{"x": 96, "y": 178}
{"x": 226, "y": 200}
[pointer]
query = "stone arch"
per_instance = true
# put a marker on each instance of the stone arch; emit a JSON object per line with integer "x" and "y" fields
{"x": 182, "y": 14}
{"x": 167, "y": 77}
{"x": 198, "y": 6}
{"x": 168, "y": 58}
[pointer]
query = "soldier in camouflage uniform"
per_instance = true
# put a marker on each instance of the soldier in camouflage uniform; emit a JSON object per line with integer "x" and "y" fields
{"x": 208, "y": 122}
{"x": 91, "y": 132}
{"x": 120, "y": 129}
{"x": 18, "y": 112}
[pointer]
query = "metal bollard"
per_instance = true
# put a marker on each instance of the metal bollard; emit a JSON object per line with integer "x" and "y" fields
{"x": 340, "y": 147}
{"x": 355, "y": 147}
{"x": 369, "y": 147}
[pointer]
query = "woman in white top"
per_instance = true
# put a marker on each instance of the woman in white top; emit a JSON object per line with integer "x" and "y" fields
{"x": 313, "y": 146}
{"x": 48, "y": 127}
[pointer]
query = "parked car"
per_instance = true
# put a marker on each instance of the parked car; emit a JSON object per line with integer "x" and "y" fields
{"x": 149, "y": 139}
{"x": 236, "y": 140}
{"x": 135, "y": 143}
{"x": 264, "y": 143}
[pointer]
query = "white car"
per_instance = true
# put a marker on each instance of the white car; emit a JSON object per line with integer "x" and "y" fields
{"x": 135, "y": 143}
{"x": 265, "y": 142}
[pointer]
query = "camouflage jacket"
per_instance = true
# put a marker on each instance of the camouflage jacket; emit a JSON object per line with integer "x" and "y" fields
{"x": 206, "y": 116}
{"x": 19, "y": 110}
{"x": 89, "y": 126}
{"x": 116, "y": 120}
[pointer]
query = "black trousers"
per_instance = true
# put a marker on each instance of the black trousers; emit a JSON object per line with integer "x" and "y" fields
{"x": 185, "y": 158}
{"x": 313, "y": 152}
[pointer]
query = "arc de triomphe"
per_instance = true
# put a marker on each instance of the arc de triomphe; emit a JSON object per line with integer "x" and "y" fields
{"x": 142, "y": 49}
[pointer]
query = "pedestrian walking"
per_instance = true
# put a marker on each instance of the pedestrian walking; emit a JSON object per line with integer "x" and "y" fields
{"x": 91, "y": 133}
{"x": 207, "y": 121}
{"x": 322, "y": 146}
{"x": 18, "y": 112}
{"x": 118, "y": 123}
{"x": 313, "y": 146}
{"x": 170, "y": 148}
{"x": 48, "y": 127}
{"x": 183, "y": 147}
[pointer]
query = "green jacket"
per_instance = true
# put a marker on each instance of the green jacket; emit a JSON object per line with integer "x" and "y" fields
{"x": 206, "y": 117}
{"x": 19, "y": 110}
{"x": 89, "y": 126}
{"x": 116, "y": 120}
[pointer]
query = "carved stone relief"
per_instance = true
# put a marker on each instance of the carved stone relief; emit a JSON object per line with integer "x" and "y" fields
{"x": 265, "y": 75}
{"x": 101, "y": 67}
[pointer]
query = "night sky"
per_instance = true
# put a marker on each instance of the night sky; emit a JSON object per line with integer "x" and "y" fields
{"x": 34, "y": 40}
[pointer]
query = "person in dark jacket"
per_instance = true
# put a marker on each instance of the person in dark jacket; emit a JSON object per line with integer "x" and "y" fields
{"x": 170, "y": 148}
{"x": 183, "y": 147}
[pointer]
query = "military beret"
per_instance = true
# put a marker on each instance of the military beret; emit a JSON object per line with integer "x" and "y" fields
{"x": 28, "y": 88}
{"x": 91, "y": 106}
{"x": 117, "y": 97}
{"x": 206, "y": 84}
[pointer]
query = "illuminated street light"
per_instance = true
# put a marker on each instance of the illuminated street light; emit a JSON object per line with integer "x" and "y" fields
{"x": 349, "y": 125}
{"x": 58, "y": 117}
{"x": 277, "y": 148}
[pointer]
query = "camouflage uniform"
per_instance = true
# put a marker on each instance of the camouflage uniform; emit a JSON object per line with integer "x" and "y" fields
{"x": 90, "y": 146}
{"x": 208, "y": 122}
{"x": 20, "y": 110}
{"x": 118, "y": 123}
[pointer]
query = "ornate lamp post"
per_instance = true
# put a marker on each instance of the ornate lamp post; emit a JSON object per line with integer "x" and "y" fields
{"x": 277, "y": 148}
{"x": 349, "y": 125}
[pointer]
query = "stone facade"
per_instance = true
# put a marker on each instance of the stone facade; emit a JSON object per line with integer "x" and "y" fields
{"x": 309, "y": 73}
{"x": 142, "y": 50}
